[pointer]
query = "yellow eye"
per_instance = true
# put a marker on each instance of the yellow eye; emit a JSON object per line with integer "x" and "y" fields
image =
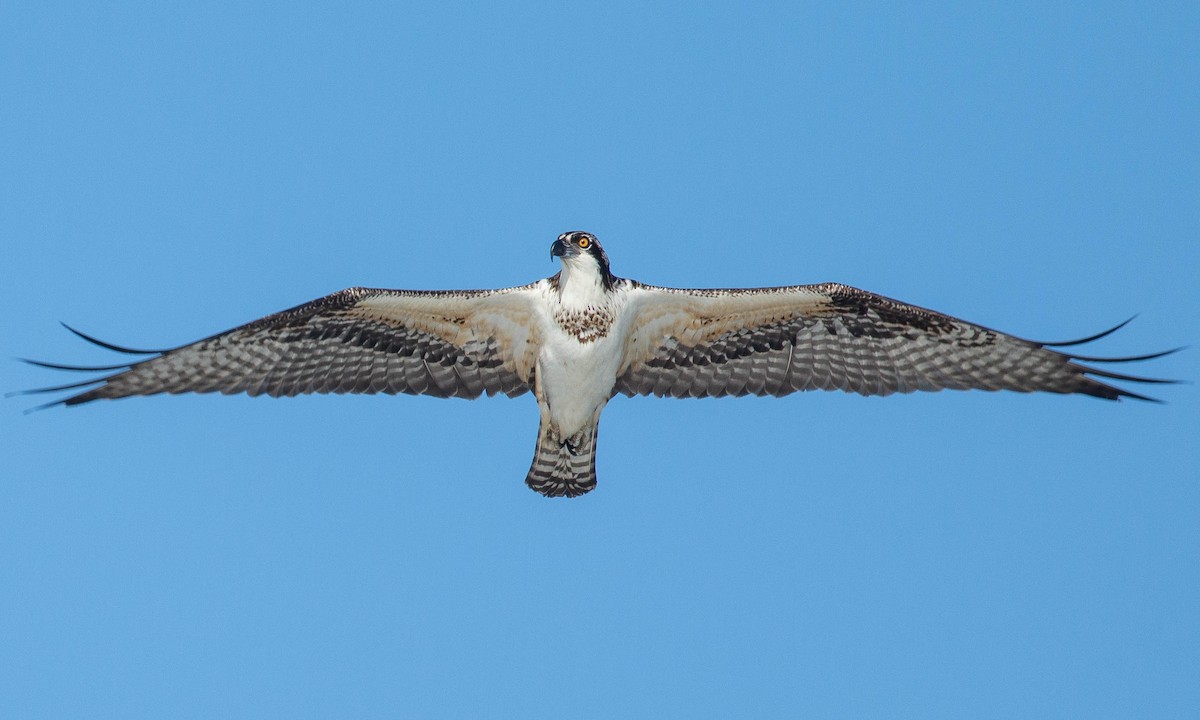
{"x": 584, "y": 242}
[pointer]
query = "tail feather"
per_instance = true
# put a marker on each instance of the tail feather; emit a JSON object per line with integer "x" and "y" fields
{"x": 564, "y": 468}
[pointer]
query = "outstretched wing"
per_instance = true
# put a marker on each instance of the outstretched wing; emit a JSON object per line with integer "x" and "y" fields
{"x": 360, "y": 340}
{"x": 775, "y": 341}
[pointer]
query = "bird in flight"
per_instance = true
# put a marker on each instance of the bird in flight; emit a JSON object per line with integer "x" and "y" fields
{"x": 579, "y": 338}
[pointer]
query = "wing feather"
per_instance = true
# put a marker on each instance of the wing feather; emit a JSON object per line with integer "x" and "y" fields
{"x": 359, "y": 340}
{"x": 775, "y": 341}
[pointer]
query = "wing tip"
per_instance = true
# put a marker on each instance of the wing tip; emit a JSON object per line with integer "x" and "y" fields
{"x": 74, "y": 368}
{"x": 1096, "y": 388}
{"x": 1090, "y": 338}
{"x": 110, "y": 346}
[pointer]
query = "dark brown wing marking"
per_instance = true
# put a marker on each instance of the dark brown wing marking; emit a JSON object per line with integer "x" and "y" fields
{"x": 776, "y": 341}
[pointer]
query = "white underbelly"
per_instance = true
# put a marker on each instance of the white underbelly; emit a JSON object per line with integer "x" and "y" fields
{"x": 577, "y": 379}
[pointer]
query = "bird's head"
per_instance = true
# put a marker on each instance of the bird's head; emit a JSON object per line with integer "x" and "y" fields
{"x": 581, "y": 254}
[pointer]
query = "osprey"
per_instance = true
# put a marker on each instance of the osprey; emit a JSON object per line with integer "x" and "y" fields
{"x": 584, "y": 335}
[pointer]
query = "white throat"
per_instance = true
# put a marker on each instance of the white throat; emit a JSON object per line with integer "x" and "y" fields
{"x": 580, "y": 284}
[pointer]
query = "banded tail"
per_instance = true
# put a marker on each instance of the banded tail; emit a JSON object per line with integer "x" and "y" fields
{"x": 564, "y": 468}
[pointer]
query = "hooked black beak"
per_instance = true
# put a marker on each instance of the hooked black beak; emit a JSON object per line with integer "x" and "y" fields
{"x": 558, "y": 249}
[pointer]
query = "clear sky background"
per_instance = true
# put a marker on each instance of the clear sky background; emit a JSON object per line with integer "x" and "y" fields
{"x": 168, "y": 173}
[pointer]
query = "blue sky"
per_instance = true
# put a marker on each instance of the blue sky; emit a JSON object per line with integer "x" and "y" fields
{"x": 167, "y": 173}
